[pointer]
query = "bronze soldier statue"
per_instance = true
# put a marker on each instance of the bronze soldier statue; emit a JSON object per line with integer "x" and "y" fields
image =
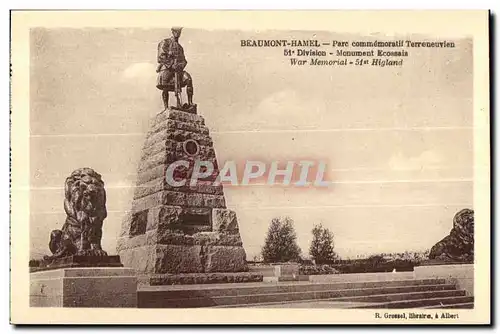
{"x": 171, "y": 74}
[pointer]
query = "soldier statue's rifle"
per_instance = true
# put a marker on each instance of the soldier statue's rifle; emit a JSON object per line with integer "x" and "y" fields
{"x": 177, "y": 86}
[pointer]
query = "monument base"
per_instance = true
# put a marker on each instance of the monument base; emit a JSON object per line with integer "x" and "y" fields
{"x": 460, "y": 274}
{"x": 185, "y": 228}
{"x": 76, "y": 261}
{"x": 84, "y": 287}
{"x": 186, "y": 108}
{"x": 184, "y": 259}
{"x": 286, "y": 272}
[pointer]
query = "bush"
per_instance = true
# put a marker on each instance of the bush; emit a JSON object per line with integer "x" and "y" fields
{"x": 384, "y": 262}
{"x": 281, "y": 242}
{"x": 375, "y": 263}
{"x": 317, "y": 270}
{"x": 34, "y": 263}
{"x": 204, "y": 278}
{"x": 374, "y": 267}
{"x": 306, "y": 262}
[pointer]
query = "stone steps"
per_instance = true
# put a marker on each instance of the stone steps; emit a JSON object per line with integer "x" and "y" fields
{"x": 467, "y": 305}
{"x": 385, "y": 299}
{"x": 438, "y": 302}
{"x": 214, "y": 290}
{"x": 426, "y": 303}
{"x": 338, "y": 295}
{"x": 376, "y": 294}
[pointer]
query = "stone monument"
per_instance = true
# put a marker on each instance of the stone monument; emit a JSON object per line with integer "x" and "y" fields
{"x": 185, "y": 229}
{"x": 452, "y": 258}
{"x": 179, "y": 229}
{"x": 459, "y": 244}
{"x": 79, "y": 273}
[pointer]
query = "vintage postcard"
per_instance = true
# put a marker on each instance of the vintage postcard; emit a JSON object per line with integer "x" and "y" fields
{"x": 330, "y": 166}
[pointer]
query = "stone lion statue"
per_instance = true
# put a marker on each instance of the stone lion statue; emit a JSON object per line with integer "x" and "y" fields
{"x": 85, "y": 206}
{"x": 459, "y": 244}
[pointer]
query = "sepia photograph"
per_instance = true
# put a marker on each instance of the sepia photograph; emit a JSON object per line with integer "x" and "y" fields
{"x": 202, "y": 160}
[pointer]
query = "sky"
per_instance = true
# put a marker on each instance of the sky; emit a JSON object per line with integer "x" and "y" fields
{"x": 397, "y": 141}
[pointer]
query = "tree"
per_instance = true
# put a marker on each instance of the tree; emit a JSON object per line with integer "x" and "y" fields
{"x": 281, "y": 242}
{"x": 321, "y": 249}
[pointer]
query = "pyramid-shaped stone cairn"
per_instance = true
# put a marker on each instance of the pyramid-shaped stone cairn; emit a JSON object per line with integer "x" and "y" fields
{"x": 187, "y": 229}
